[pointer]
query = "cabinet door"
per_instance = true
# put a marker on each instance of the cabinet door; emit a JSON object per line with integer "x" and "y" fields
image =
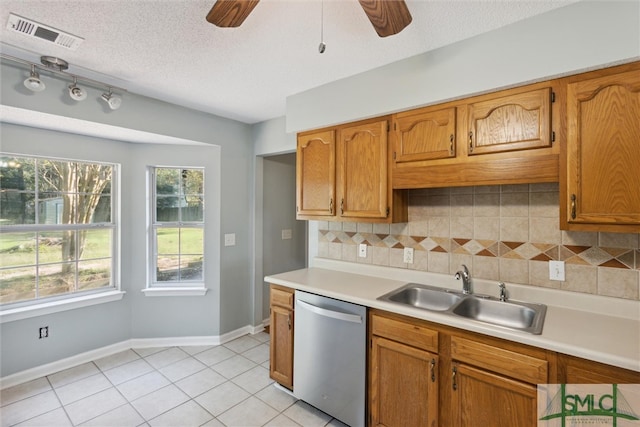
{"x": 603, "y": 150}
{"x": 482, "y": 399}
{"x": 515, "y": 122}
{"x": 281, "y": 346}
{"x": 580, "y": 371}
{"x": 363, "y": 171}
{"x": 425, "y": 134}
{"x": 316, "y": 174}
{"x": 403, "y": 388}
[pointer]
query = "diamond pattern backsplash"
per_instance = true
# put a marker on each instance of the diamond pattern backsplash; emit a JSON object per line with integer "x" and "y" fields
{"x": 504, "y": 233}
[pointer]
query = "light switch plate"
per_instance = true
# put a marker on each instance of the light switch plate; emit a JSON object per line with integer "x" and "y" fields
{"x": 362, "y": 250}
{"x": 286, "y": 234}
{"x": 556, "y": 270}
{"x": 230, "y": 239}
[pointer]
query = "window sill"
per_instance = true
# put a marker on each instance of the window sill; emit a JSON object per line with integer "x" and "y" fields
{"x": 59, "y": 305}
{"x": 175, "y": 292}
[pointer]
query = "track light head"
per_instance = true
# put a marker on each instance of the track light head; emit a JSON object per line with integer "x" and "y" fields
{"x": 114, "y": 101}
{"x": 33, "y": 82}
{"x": 77, "y": 93}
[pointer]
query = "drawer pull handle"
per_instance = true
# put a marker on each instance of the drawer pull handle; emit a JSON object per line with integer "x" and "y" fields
{"x": 342, "y": 207}
{"x": 573, "y": 206}
{"x": 433, "y": 370}
{"x": 471, "y": 142}
{"x": 451, "y": 145}
{"x": 289, "y": 321}
{"x": 331, "y": 206}
{"x": 453, "y": 377}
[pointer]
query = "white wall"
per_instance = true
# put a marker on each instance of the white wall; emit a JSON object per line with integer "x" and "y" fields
{"x": 583, "y": 35}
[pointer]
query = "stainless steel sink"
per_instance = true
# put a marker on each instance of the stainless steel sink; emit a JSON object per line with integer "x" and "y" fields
{"x": 423, "y": 296}
{"x": 515, "y": 315}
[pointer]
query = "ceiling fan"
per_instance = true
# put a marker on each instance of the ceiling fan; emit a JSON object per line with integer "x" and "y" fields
{"x": 388, "y": 17}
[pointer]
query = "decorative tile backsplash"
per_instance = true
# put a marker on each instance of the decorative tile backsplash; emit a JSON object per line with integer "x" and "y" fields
{"x": 506, "y": 233}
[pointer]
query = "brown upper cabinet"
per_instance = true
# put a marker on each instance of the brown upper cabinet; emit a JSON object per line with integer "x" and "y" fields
{"x": 517, "y": 122}
{"x": 600, "y": 185}
{"x": 348, "y": 178}
{"x": 505, "y": 137}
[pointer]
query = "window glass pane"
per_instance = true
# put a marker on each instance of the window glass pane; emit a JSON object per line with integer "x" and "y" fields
{"x": 56, "y": 208}
{"x": 168, "y": 268}
{"x": 57, "y": 246}
{"x": 168, "y": 241}
{"x": 17, "y": 284}
{"x": 95, "y": 244}
{"x": 17, "y": 188}
{"x": 167, "y": 181}
{"x": 56, "y": 279}
{"x": 191, "y": 241}
{"x": 193, "y": 181}
{"x": 17, "y": 249}
{"x": 168, "y": 209}
{"x": 94, "y": 208}
{"x": 94, "y": 274}
{"x": 191, "y": 268}
{"x": 57, "y": 176}
{"x": 194, "y": 211}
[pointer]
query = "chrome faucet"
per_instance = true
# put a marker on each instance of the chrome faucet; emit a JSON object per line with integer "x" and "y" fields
{"x": 466, "y": 279}
{"x": 503, "y": 291}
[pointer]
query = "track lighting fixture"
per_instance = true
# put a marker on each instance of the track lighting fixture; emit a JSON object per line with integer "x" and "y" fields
{"x": 57, "y": 66}
{"x": 113, "y": 100}
{"x": 77, "y": 93}
{"x": 33, "y": 82}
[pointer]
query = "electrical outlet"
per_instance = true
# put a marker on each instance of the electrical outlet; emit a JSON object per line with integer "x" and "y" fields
{"x": 44, "y": 332}
{"x": 556, "y": 270}
{"x": 286, "y": 234}
{"x": 362, "y": 250}
{"x": 408, "y": 255}
{"x": 230, "y": 239}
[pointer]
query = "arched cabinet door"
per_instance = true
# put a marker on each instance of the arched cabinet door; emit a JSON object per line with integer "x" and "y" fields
{"x": 316, "y": 174}
{"x": 603, "y": 152}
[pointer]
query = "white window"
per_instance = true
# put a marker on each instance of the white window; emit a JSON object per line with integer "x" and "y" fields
{"x": 58, "y": 229}
{"x": 177, "y": 229}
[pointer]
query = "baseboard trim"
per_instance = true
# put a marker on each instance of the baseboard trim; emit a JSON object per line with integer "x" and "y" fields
{"x": 78, "y": 359}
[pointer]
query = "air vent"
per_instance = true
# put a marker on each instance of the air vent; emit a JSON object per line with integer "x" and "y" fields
{"x": 36, "y": 30}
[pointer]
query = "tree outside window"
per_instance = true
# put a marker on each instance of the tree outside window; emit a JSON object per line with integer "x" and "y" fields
{"x": 57, "y": 228}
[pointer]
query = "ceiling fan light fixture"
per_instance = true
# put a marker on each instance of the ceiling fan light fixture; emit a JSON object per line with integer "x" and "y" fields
{"x": 33, "y": 82}
{"x": 113, "y": 101}
{"x": 77, "y": 93}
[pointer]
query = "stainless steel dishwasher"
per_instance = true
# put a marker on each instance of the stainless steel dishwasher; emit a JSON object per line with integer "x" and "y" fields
{"x": 329, "y": 356}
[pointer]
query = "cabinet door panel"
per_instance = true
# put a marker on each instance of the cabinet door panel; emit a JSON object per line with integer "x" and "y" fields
{"x": 425, "y": 135}
{"x": 403, "y": 388}
{"x": 315, "y": 174}
{"x": 482, "y": 399}
{"x": 603, "y": 154}
{"x": 362, "y": 177}
{"x": 281, "y": 347}
{"x": 515, "y": 122}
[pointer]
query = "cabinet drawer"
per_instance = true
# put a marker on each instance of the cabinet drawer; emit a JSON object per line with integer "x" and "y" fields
{"x": 281, "y": 297}
{"x": 408, "y": 333}
{"x": 500, "y": 360}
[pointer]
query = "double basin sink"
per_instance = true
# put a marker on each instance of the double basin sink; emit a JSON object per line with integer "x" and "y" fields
{"x": 514, "y": 315}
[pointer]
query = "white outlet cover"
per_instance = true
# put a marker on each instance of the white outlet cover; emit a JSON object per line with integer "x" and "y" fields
{"x": 286, "y": 234}
{"x": 408, "y": 255}
{"x": 362, "y": 250}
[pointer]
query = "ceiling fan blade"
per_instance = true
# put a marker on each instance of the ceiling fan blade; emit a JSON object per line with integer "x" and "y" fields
{"x": 230, "y": 13}
{"x": 388, "y": 17}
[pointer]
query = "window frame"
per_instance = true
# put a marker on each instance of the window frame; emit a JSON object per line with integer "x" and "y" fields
{"x": 10, "y": 311}
{"x": 179, "y": 287}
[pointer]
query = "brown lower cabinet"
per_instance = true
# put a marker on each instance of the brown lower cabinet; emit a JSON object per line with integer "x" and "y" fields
{"x": 425, "y": 374}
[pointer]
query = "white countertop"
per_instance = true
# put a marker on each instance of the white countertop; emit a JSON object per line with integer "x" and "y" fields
{"x": 597, "y": 328}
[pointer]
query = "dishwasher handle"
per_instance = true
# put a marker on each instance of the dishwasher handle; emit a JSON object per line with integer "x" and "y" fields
{"x": 353, "y": 318}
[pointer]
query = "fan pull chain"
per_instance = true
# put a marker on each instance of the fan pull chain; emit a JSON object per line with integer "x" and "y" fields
{"x": 322, "y": 46}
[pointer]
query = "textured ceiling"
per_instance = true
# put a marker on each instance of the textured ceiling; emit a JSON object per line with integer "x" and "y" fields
{"x": 165, "y": 49}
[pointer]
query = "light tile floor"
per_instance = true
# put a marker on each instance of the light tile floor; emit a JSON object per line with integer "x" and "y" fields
{"x": 226, "y": 385}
